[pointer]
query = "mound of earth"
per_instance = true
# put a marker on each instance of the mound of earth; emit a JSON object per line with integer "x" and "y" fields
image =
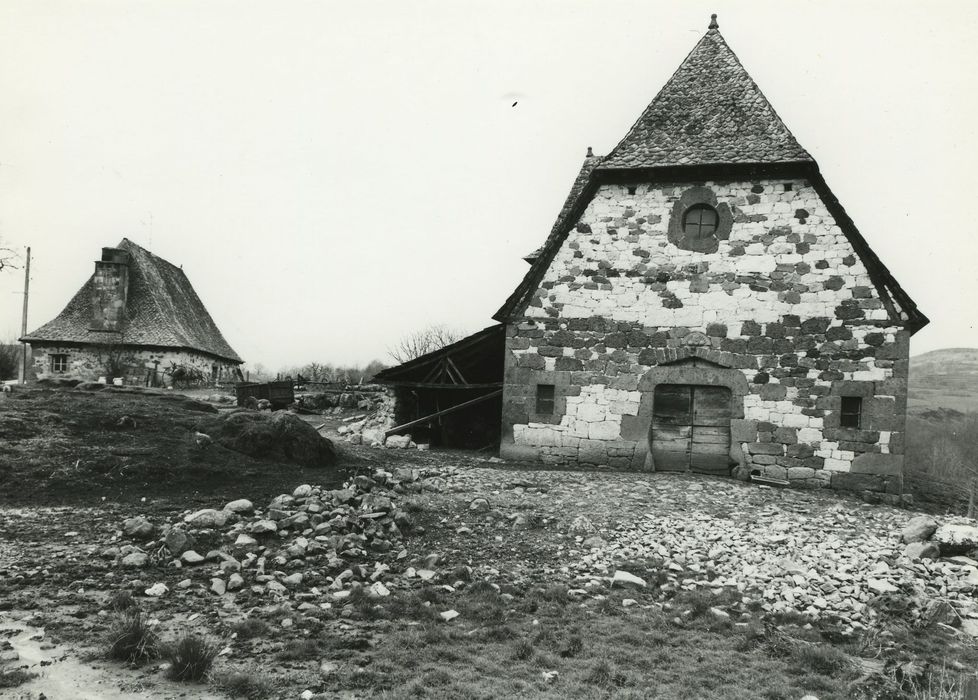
{"x": 278, "y": 435}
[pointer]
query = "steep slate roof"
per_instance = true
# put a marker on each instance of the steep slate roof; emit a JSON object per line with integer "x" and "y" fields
{"x": 710, "y": 120}
{"x": 591, "y": 161}
{"x": 162, "y": 310}
{"x": 710, "y": 111}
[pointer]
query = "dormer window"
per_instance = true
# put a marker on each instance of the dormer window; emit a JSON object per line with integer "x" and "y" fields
{"x": 700, "y": 221}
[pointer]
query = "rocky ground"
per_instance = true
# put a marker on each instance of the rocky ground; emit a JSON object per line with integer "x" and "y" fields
{"x": 317, "y": 562}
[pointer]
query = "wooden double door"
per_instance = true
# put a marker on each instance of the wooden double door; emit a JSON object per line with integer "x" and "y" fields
{"x": 691, "y": 428}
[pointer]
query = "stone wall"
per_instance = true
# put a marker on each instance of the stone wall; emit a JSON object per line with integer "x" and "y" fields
{"x": 778, "y": 307}
{"x": 133, "y": 365}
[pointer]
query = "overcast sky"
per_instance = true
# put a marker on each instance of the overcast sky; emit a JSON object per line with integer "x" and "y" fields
{"x": 334, "y": 175}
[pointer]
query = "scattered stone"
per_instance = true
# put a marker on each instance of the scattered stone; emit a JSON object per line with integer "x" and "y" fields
{"x": 328, "y": 668}
{"x": 191, "y": 557}
{"x": 235, "y": 582}
{"x": 156, "y": 590}
{"x": 922, "y": 550}
{"x": 178, "y": 541}
{"x": 628, "y": 602}
{"x": 242, "y": 506}
{"x": 918, "y": 529}
{"x": 379, "y": 590}
{"x": 623, "y": 578}
{"x": 581, "y": 525}
{"x": 956, "y": 538}
{"x": 480, "y": 505}
{"x": 449, "y": 615}
{"x": 218, "y": 586}
{"x": 263, "y": 527}
{"x": 138, "y": 528}
{"x": 881, "y": 586}
{"x": 135, "y": 560}
{"x": 207, "y": 518}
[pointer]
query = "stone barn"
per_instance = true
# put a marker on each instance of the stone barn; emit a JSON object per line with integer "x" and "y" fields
{"x": 704, "y": 303}
{"x": 137, "y": 319}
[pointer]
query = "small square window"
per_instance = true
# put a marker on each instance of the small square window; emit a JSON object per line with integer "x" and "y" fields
{"x": 545, "y": 398}
{"x": 850, "y": 415}
{"x": 59, "y": 363}
{"x": 632, "y": 189}
{"x": 788, "y": 186}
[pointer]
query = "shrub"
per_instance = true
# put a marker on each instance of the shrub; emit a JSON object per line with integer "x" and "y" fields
{"x": 247, "y": 685}
{"x": 250, "y": 628}
{"x": 821, "y": 658}
{"x": 524, "y": 650}
{"x": 122, "y": 602}
{"x": 14, "y": 677}
{"x": 572, "y": 646}
{"x": 132, "y": 640}
{"x": 191, "y": 658}
{"x": 299, "y": 650}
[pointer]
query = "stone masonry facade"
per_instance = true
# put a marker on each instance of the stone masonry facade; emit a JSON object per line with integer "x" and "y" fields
{"x": 779, "y": 308}
{"x": 134, "y": 364}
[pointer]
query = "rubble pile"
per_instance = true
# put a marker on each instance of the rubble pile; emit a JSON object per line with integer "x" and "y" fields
{"x": 838, "y": 562}
{"x": 313, "y": 542}
{"x": 371, "y": 430}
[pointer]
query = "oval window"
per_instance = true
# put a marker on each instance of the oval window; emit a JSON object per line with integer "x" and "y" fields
{"x": 700, "y": 221}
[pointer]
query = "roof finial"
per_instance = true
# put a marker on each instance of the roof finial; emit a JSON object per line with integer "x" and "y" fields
{"x": 590, "y": 152}
{"x": 713, "y": 22}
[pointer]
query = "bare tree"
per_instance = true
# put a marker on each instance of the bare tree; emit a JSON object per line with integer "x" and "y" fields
{"x": 422, "y": 342}
{"x": 8, "y": 257}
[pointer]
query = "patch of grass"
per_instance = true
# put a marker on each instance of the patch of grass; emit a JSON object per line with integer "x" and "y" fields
{"x": 821, "y": 658}
{"x": 250, "y": 628}
{"x": 238, "y": 684}
{"x": 604, "y": 674}
{"x": 572, "y": 646}
{"x": 410, "y": 606}
{"x": 481, "y": 601}
{"x": 300, "y": 650}
{"x": 413, "y": 505}
{"x": 524, "y": 650}
{"x": 15, "y": 677}
{"x": 191, "y": 658}
{"x": 122, "y": 601}
{"x": 132, "y": 640}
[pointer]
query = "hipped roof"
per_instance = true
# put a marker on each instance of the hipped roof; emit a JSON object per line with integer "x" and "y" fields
{"x": 710, "y": 111}
{"x": 162, "y": 310}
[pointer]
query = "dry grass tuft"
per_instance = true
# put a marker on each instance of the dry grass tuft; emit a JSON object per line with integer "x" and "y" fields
{"x": 191, "y": 658}
{"x": 132, "y": 640}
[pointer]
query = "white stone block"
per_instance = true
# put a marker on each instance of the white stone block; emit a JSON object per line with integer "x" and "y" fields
{"x": 836, "y": 465}
{"x": 605, "y": 430}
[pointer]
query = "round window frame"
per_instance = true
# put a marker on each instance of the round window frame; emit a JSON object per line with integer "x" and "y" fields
{"x": 699, "y": 234}
{"x": 699, "y": 194}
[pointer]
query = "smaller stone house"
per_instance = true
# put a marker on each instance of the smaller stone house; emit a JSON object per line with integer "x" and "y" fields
{"x": 137, "y": 319}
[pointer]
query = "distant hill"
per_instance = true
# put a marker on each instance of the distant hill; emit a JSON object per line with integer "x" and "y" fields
{"x": 944, "y": 380}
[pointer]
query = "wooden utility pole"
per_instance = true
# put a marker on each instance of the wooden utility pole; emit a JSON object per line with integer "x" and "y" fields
{"x": 23, "y": 322}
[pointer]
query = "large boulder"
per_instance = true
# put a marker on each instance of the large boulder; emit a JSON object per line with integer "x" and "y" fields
{"x": 279, "y": 435}
{"x": 956, "y": 538}
{"x": 918, "y": 529}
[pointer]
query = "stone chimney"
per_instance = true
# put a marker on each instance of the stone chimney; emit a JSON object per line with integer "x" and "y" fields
{"x": 110, "y": 290}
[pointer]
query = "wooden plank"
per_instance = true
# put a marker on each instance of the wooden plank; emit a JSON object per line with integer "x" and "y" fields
{"x": 435, "y": 385}
{"x": 461, "y": 378}
{"x": 444, "y": 412}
